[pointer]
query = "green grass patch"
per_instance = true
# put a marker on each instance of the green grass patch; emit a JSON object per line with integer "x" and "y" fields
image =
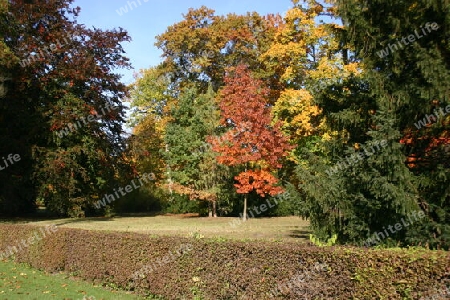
{"x": 18, "y": 281}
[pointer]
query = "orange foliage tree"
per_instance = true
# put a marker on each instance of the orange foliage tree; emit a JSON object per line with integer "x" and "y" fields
{"x": 252, "y": 141}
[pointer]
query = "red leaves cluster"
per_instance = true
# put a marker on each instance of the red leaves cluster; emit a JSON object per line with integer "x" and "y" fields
{"x": 252, "y": 137}
{"x": 427, "y": 148}
{"x": 262, "y": 181}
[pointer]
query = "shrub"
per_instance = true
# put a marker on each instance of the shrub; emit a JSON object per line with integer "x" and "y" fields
{"x": 232, "y": 269}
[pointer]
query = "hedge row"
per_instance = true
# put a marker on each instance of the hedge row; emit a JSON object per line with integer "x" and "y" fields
{"x": 181, "y": 268}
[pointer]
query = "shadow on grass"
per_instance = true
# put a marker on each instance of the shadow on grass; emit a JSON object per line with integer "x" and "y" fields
{"x": 58, "y": 221}
{"x": 85, "y": 220}
{"x": 156, "y": 214}
{"x": 42, "y": 215}
{"x": 299, "y": 234}
{"x": 121, "y": 215}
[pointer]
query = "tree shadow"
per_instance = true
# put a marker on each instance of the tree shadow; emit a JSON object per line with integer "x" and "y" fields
{"x": 38, "y": 217}
{"x": 85, "y": 220}
{"x": 156, "y": 214}
{"x": 299, "y": 234}
{"x": 58, "y": 221}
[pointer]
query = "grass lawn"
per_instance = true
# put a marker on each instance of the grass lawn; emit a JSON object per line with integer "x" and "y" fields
{"x": 18, "y": 281}
{"x": 279, "y": 229}
{"x": 21, "y": 282}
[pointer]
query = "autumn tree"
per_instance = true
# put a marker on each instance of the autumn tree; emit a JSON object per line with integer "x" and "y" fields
{"x": 63, "y": 112}
{"x": 199, "y": 48}
{"x": 196, "y": 52}
{"x": 252, "y": 142}
{"x": 304, "y": 58}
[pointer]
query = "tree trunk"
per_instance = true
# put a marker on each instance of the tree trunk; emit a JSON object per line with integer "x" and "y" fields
{"x": 244, "y": 215}
{"x": 214, "y": 209}
{"x": 3, "y": 85}
{"x": 210, "y": 210}
{"x": 169, "y": 177}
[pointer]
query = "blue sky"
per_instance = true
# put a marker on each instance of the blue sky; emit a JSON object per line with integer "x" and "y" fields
{"x": 151, "y": 18}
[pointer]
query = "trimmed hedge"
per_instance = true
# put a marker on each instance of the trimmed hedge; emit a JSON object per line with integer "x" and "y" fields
{"x": 179, "y": 268}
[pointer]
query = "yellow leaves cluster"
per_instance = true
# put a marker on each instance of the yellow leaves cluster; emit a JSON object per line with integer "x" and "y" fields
{"x": 352, "y": 68}
{"x": 283, "y": 51}
{"x": 293, "y": 43}
{"x": 295, "y": 14}
{"x": 333, "y": 70}
{"x": 295, "y": 110}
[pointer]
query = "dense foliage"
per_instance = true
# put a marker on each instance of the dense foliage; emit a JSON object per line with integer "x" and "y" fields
{"x": 344, "y": 104}
{"x": 61, "y": 112}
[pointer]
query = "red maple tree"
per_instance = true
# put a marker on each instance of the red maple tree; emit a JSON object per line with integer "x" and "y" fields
{"x": 252, "y": 140}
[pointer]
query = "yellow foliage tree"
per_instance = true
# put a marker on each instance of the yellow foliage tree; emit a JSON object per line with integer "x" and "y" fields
{"x": 307, "y": 57}
{"x": 297, "y": 113}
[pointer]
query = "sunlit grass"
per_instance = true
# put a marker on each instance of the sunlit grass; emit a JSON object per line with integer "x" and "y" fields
{"x": 274, "y": 229}
{"x": 18, "y": 281}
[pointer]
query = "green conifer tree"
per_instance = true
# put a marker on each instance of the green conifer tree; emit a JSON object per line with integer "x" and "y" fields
{"x": 404, "y": 48}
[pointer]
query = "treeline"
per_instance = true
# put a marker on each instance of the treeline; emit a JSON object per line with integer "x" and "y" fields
{"x": 242, "y": 107}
